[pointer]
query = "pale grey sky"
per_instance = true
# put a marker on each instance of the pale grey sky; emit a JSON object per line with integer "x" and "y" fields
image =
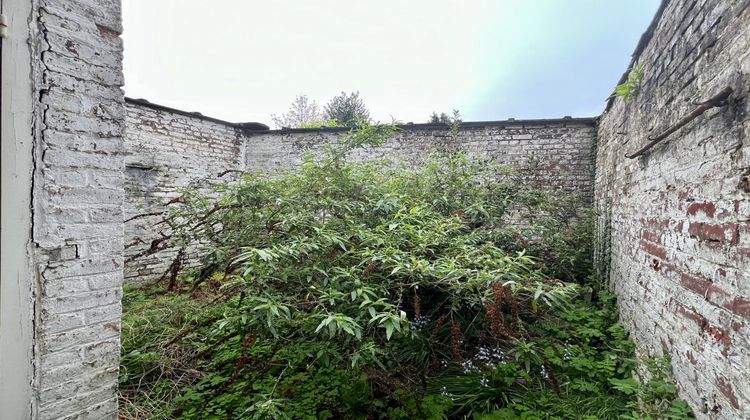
{"x": 243, "y": 60}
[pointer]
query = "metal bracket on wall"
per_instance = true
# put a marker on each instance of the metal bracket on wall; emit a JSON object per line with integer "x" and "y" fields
{"x": 719, "y": 99}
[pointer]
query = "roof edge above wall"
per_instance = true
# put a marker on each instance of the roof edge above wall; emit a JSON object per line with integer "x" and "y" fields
{"x": 259, "y": 128}
{"x": 250, "y": 126}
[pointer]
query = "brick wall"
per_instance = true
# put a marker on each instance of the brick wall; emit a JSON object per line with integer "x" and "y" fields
{"x": 167, "y": 150}
{"x": 558, "y": 151}
{"x": 676, "y": 222}
{"x": 77, "y": 199}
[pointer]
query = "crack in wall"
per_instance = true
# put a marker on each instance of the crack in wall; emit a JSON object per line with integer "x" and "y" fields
{"x": 37, "y": 36}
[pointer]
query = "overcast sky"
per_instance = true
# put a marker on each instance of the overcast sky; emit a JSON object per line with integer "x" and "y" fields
{"x": 243, "y": 60}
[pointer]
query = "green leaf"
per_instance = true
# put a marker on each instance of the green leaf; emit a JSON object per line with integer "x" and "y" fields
{"x": 388, "y": 330}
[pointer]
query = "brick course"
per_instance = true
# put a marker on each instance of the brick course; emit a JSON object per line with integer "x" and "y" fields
{"x": 559, "y": 152}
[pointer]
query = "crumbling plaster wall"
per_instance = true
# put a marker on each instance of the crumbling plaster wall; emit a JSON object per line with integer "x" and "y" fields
{"x": 77, "y": 197}
{"x": 676, "y": 221}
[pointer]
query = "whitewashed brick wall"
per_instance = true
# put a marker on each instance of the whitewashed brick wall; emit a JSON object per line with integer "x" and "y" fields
{"x": 679, "y": 242}
{"x": 558, "y": 150}
{"x": 680, "y": 215}
{"x": 77, "y": 203}
{"x": 169, "y": 149}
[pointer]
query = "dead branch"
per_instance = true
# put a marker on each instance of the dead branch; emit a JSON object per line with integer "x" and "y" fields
{"x": 229, "y": 171}
{"x": 138, "y": 216}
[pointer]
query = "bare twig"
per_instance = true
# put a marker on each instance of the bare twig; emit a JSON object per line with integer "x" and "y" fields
{"x": 174, "y": 270}
{"x": 138, "y": 216}
{"x": 157, "y": 245}
{"x": 229, "y": 171}
{"x": 189, "y": 329}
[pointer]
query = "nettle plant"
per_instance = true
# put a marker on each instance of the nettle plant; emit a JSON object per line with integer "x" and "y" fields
{"x": 349, "y": 289}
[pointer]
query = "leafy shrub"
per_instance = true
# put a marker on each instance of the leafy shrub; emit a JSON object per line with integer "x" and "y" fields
{"x": 320, "y": 124}
{"x": 351, "y": 290}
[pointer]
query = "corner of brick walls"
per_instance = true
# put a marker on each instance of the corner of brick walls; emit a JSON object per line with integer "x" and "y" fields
{"x": 166, "y": 152}
{"x": 679, "y": 217}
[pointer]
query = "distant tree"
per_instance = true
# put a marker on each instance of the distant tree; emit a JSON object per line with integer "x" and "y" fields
{"x": 321, "y": 124}
{"x": 303, "y": 112}
{"x": 443, "y": 118}
{"x": 347, "y": 110}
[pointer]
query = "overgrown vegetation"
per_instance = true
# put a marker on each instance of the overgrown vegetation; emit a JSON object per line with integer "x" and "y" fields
{"x": 350, "y": 290}
{"x": 320, "y": 124}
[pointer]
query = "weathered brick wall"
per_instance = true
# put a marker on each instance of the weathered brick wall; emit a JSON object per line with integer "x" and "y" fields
{"x": 678, "y": 218}
{"x": 77, "y": 199}
{"x": 559, "y": 151}
{"x": 168, "y": 150}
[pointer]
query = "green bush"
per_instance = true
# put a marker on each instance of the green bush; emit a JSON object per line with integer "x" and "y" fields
{"x": 351, "y": 290}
